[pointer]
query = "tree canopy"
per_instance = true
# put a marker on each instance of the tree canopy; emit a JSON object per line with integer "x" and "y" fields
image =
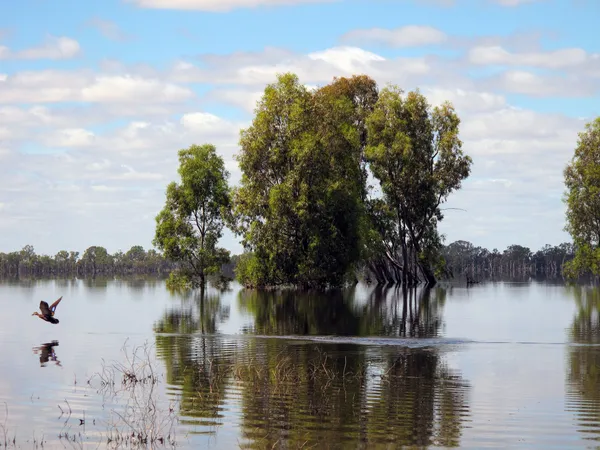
{"x": 192, "y": 220}
{"x": 416, "y": 155}
{"x": 299, "y": 207}
{"x": 305, "y": 211}
{"x": 582, "y": 198}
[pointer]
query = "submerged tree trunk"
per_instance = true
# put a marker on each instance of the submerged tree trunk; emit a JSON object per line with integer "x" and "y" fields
{"x": 425, "y": 267}
{"x": 428, "y": 274}
{"x": 405, "y": 265}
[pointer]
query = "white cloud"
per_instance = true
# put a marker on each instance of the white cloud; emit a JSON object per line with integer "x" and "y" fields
{"x": 50, "y": 86}
{"x": 70, "y": 137}
{"x": 250, "y": 71}
{"x": 346, "y": 59}
{"x": 258, "y": 69}
{"x": 98, "y": 165}
{"x": 135, "y": 89}
{"x": 242, "y": 98}
{"x": 87, "y": 181}
{"x": 218, "y": 5}
{"x": 528, "y": 83}
{"x": 53, "y": 48}
{"x": 496, "y": 55}
{"x": 406, "y": 36}
{"x": 130, "y": 174}
{"x": 515, "y": 123}
{"x": 104, "y": 188}
{"x": 465, "y": 100}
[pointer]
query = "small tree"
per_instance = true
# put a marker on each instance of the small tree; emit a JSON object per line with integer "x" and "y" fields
{"x": 191, "y": 223}
{"x": 582, "y": 197}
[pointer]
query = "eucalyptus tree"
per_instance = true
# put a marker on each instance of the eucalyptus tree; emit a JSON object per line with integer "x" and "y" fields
{"x": 416, "y": 155}
{"x": 582, "y": 197}
{"x": 299, "y": 207}
{"x": 191, "y": 223}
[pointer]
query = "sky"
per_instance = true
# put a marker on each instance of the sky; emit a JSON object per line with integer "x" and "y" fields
{"x": 97, "y": 98}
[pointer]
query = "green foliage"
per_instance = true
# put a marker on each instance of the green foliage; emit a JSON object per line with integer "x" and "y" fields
{"x": 178, "y": 281}
{"x": 249, "y": 271}
{"x": 415, "y": 154}
{"x": 191, "y": 223}
{"x": 582, "y": 197}
{"x": 299, "y": 207}
{"x": 96, "y": 259}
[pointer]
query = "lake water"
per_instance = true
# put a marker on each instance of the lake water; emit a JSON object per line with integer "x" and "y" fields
{"x": 497, "y": 365}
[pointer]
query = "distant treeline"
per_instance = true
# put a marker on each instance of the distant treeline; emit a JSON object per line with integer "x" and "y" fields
{"x": 463, "y": 259}
{"x": 95, "y": 261}
{"x": 460, "y": 259}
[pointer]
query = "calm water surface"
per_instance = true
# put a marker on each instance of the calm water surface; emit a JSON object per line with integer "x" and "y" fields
{"x": 498, "y": 365}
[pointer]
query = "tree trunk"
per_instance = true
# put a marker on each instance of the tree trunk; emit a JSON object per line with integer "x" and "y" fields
{"x": 425, "y": 268}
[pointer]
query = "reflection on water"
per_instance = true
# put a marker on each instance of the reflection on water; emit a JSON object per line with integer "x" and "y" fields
{"x": 47, "y": 353}
{"x": 292, "y": 395}
{"x": 198, "y": 312}
{"x": 583, "y": 367}
{"x": 386, "y": 311}
{"x": 496, "y": 365}
{"x": 586, "y": 323}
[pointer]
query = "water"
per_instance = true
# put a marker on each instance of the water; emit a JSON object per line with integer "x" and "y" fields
{"x": 498, "y": 365}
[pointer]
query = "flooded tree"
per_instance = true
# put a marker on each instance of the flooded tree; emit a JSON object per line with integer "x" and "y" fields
{"x": 305, "y": 211}
{"x": 299, "y": 207}
{"x": 191, "y": 223}
{"x": 415, "y": 154}
{"x": 582, "y": 197}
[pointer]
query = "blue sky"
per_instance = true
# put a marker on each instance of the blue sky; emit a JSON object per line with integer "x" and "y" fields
{"x": 97, "y": 97}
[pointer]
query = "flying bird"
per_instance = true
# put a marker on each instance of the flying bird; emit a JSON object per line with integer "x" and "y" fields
{"x": 48, "y": 311}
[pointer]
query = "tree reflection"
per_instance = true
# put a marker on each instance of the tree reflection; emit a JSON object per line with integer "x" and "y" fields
{"x": 198, "y": 311}
{"x": 397, "y": 311}
{"x": 583, "y": 373}
{"x": 586, "y": 323}
{"x": 292, "y": 393}
{"x": 195, "y": 363}
{"x": 291, "y": 312}
{"x": 344, "y": 399}
{"x": 422, "y": 403}
{"x": 388, "y": 311}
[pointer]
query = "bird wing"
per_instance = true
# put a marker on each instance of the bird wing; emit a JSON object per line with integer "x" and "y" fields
{"x": 55, "y": 304}
{"x": 44, "y": 308}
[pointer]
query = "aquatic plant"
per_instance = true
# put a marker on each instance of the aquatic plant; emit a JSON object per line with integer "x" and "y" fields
{"x": 143, "y": 419}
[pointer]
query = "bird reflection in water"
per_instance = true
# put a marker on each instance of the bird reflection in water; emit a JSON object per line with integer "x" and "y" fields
{"x": 47, "y": 353}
